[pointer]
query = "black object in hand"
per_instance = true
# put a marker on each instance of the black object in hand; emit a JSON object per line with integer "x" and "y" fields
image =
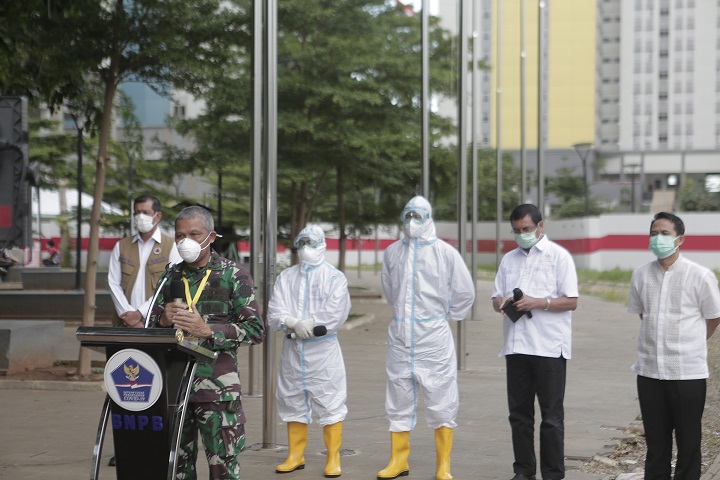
{"x": 177, "y": 290}
{"x": 509, "y": 308}
{"x": 318, "y": 331}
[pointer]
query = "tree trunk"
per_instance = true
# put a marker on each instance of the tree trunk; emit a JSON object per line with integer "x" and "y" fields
{"x": 341, "y": 219}
{"x": 84, "y": 365}
{"x": 64, "y": 246}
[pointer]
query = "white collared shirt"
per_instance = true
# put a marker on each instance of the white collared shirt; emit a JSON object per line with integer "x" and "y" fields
{"x": 674, "y": 305}
{"x": 137, "y": 300}
{"x": 547, "y": 270}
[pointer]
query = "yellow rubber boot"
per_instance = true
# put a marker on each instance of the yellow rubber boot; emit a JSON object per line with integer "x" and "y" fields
{"x": 400, "y": 451}
{"x": 333, "y": 439}
{"x": 443, "y": 447}
{"x": 297, "y": 441}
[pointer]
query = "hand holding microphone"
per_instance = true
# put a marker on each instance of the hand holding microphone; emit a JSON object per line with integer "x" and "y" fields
{"x": 511, "y": 311}
{"x": 177, "y": 291}
{"x": 177, "y": 294}
{"x": 318, "y": 331}
{"x": 304, "y": 329}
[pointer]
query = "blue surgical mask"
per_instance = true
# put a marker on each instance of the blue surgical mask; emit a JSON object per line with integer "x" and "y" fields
{"x": 662, "y": 246}
{"x": 527, "y": 240}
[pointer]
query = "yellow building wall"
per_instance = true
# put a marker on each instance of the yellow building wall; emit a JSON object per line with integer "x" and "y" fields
{"x": 571, "y": 73}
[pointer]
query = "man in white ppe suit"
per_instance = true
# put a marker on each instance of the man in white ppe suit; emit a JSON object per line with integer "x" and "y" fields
{"x": 427, "y": 284}
{"x": 311, "y": 378}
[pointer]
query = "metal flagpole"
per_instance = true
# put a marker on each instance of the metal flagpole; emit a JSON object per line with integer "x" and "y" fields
{"x": 270, "y": 212}
{"x": 498, "y": 147}
{"x": 462, "y": 174}
{"x": 254, "y": 362}
{"x": 424, "y": 36}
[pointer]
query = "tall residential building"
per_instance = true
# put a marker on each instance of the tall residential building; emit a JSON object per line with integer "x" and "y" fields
{"x": 669, "y": 94}
{"x": 569, "y": 78}
{"x": 153, "y": 112}
{"x": 668, "y": 120}
{"x": 607, "y": 76}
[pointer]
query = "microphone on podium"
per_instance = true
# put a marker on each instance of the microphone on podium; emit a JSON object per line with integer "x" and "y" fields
{"x": 318, "y": 331}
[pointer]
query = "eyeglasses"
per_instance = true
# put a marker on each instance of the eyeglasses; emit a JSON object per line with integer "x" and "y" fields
{"x": 528, "y": 229}
{"x": 306, "y": 242}
{"x": 413, "y": 216}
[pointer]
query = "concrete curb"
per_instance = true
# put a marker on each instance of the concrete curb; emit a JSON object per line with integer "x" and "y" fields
{"x": 713, "y": 471}
{"x": 70, "y": 386}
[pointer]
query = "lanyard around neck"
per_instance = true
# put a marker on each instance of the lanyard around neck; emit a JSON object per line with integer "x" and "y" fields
{"x": 191, "y": 300}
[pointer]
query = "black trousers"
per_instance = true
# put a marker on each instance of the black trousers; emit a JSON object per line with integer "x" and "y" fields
{"x": 667, "y": 406}
{"x": 528, "y": 376}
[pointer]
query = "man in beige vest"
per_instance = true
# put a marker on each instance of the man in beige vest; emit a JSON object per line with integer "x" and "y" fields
{"x": 136, "y": 264}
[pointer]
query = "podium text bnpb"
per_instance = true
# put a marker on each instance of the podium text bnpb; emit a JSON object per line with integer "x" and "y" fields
{"x": 148, "y": 377}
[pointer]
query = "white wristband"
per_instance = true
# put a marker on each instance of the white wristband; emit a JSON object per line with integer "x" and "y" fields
{"x": 547, "y": 304}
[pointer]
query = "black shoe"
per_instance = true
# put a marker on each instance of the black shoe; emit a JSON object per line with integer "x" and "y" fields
{"x": 112, "y": 461}
{"x": 522, "y": 476}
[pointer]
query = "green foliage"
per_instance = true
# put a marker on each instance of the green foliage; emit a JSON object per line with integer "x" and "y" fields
{"x": 445, "y": 194}
{"x": 566, "y": 186}
{"x": 569, "y": 189}
{"x": 53, "y": 153}
{"x": 616, "y": 275}
{"x": 348, "y": 90}
{"x": 692, "y": 197}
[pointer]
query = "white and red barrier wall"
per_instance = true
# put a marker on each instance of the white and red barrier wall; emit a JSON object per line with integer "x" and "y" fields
{"x": 597, "y": 243}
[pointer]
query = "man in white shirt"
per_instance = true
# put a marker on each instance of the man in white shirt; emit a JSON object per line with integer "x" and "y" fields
{"x": 136, "y": 264}
{"x": 679, "y": 307}
{"x": 538, "y": 344}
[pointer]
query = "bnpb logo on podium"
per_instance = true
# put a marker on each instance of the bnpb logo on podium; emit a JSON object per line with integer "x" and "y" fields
{"x": 133, "y": 380}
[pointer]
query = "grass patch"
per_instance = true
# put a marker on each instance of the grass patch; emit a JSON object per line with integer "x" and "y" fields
{"x": 610, "y": 285}
{"x": 61, "y": 363}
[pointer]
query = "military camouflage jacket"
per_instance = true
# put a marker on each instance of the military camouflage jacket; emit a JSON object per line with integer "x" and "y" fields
{"x": 228, "y": 305}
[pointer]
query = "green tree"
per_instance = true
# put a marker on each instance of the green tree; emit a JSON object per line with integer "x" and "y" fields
{"x": 692, "y": 197}
{"x": 569, "y": 189}
{"x": 162, "y": 43}
{"x": 445, "y": 199}
{"x": 51, "y": 151}
{"x": 348, "y": 115}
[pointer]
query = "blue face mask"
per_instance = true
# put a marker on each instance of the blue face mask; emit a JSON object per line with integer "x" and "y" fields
{"x": 662, "y": 246}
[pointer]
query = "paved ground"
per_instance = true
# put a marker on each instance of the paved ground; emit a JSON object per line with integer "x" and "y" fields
{"x": 50, "y": 433}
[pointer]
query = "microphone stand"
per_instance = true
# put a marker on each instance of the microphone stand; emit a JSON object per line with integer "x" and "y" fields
{"x": 169, "y": 271}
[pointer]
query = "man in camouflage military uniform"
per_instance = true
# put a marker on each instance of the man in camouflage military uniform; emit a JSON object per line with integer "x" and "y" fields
{"x": 221, "y": 311}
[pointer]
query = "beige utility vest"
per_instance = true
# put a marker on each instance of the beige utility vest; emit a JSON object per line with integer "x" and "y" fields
{"x": 155, "y": 266}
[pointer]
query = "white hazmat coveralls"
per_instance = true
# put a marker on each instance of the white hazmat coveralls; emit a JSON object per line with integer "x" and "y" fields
{"x": 311, "y": 377}
{"x": 427, "y": 283}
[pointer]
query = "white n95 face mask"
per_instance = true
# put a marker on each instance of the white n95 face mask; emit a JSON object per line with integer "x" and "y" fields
{"x": 311, "y": 255}
{"x": 189, "y": 249}
{"x": 413, "y": 228}
{"x": 144, "y": 223}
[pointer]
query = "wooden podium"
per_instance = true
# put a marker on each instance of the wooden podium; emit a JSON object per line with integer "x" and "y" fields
{"x": 148, "y": 377}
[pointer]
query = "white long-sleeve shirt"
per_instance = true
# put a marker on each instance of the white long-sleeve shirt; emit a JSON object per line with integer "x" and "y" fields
{"x": 137, "y": 300}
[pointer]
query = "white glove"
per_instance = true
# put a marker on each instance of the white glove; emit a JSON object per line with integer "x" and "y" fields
{"x": 290, "y": 322}
{"x": 304, "y": 328}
